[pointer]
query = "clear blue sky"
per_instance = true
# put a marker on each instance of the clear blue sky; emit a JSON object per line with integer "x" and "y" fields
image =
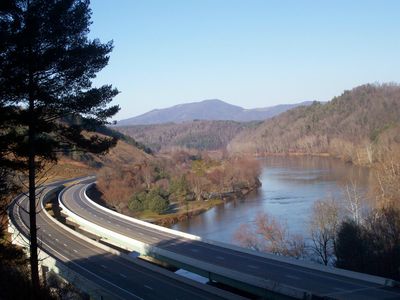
{"x": 252, "y": 53}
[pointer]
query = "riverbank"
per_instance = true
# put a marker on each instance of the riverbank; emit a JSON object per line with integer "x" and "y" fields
{"x": 179, "y": 214}
{"x": 360, "y": 163}
{"x": 175, "y": 213}
{"x": 290, "y": 186}
{"x": 194, "y": 208}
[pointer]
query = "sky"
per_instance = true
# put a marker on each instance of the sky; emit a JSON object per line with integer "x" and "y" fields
{"x": 251, "y": 53}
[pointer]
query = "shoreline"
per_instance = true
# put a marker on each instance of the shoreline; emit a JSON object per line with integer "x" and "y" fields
{"x": 206, "y": 205}
{"x": 169, "y": 219}
{"x": 198, "y": 207}
{"x": 302, "y": 154}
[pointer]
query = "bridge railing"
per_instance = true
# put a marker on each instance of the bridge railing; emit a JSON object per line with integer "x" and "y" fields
{"x": 301, "y": 263}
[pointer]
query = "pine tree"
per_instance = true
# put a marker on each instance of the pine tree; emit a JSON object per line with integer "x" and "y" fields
{"x": 47, "y": 64}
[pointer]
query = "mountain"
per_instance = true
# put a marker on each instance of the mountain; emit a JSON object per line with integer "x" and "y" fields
{"x": 360, "y": 126}
{"x": 207, "y": 110}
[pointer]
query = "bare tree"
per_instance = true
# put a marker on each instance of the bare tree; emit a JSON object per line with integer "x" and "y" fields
{"x": 388, "y": 177}
{"x": 246, "y": 237}
{"x": 354, "y": 202}
{"x": 147, "y": 173}
{"x": 198, "y": 184}
{"x": 270, "y": 235}
{"x": 323, "y": 226}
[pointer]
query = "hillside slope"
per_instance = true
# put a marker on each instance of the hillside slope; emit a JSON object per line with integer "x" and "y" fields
{"x": 355, "y": 126}
{"x": 207, "y": 110}
{"x": 200, "y": 135}
{"x": 126, "y": 152}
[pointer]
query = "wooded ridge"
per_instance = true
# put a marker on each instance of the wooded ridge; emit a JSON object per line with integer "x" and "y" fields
{"x": 359, "y": 126}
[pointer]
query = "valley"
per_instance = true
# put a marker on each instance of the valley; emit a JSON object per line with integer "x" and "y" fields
{"x": 199, "y": 150}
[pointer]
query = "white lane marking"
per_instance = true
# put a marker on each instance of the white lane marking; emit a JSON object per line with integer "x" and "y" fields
{"x": 79, "y": 266}
{"x": 103, "y": 266}
{"x": 49, "y": 234}
{"x": 65, "y": 245}
{"x": 220, "y": 257}
{"x": 148, "y": 287}
{"x": 252, "y": 267}
{"x": 75, "y": 251}
{"x": 56, "y": 240}
{"x": 301, "y": 271}
{"x": 122, "y": 275}
{"x": 292, "y": 277}
{"x": 43, "y": 230}
{"x": 99, "y": 277}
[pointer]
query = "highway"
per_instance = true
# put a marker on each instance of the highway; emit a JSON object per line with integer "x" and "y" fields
{"x": 123, "y": 279}
{"x": 319, "y": 283}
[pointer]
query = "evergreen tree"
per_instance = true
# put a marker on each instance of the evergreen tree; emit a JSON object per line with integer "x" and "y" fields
{"x": 47, "y": 64}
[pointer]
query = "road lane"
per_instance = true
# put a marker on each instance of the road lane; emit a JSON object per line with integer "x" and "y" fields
{"x": 106, "y": 269}
{"x": 317, "y": 282}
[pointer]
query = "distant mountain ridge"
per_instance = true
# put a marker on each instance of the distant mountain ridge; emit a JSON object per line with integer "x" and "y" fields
{"x": 213, "y": 109}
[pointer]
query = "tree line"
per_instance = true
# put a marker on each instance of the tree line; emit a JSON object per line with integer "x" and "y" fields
{"x": 199, "y": 135}
{"x": 344, "y": 233}
{"x": 178, "y": 177}
{"x": 360, "y": 126}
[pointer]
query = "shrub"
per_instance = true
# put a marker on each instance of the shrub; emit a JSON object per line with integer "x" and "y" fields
{"x": 138, "y": 202}
{"x": 156, "y": 203}
{"x": 156, "y": 200}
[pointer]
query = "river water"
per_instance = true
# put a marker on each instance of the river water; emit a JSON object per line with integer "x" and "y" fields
{"x": 290, "y": 186}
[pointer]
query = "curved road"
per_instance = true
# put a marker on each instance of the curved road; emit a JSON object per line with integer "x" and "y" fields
{"x": 320, "y": 283}
{"x": 122, "y": 278}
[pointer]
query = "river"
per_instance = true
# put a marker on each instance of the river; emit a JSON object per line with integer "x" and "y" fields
{"x": 290, "y": 186}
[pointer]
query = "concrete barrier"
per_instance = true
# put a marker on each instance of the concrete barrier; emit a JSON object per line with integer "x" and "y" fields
{"x": 305, "y": 264}
{"x": 253, "y": 284}
{"x": 137, "y": 221}
{"x": 93, "y": 289}
{"x": 141, "y": 247}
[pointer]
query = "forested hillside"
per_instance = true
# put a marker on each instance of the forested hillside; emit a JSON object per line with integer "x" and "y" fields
{"x": 201, "y": 135}
{"x": 175, "y": 184}
{"x": 359, "y": 126}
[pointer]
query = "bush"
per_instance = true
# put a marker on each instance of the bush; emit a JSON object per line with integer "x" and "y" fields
{"x": 156, "y": 200}
{"x": 179, "y": 188}
{"x": 156, "y": 203}
{"x": 138, "y": 202}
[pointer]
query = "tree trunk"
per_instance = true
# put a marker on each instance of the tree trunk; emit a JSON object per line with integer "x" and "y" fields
{"x": 32, "y": 181}
{"x": 32, "y": 214}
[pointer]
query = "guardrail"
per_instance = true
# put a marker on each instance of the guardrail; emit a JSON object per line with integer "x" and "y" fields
{"x": 253, "y": 284}
{"x": 96, "y": 291}
{"x": 146, "y": 249}
{"x": 47, "y": 259}
{"x": 292, "y": 261}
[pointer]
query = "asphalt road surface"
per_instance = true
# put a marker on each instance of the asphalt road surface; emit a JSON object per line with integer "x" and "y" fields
{"x": 123, "y": 279}
{"x": 319, "y": 283}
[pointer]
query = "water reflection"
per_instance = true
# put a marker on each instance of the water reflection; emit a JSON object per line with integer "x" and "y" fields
{"x": 290, "y": 187}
